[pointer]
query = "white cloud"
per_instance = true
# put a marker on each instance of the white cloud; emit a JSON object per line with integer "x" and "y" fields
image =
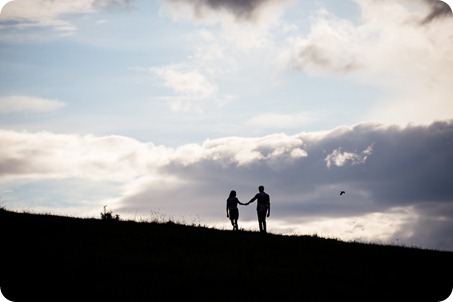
{"x": 240, "y": 151}
{"x": 340, "y": 158}
{"x": 329, "y": 47}
{"x": 32, "y": 10}
{"x": 45, "y": 155}
{"x": 20, "y": 103}
{"x": 189, "y": 84}
{"x": 211, "y": 53}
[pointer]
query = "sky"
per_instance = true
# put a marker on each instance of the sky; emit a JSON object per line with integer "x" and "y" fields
{"x": 158, "y": 109}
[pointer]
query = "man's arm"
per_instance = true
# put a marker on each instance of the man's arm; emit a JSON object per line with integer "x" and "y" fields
{"x": 269, "y": 207}
{"x": 253, "y": 199}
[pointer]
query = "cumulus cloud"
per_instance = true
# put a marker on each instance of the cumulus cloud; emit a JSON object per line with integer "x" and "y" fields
{"x": 326, "y": 49}
{"x": 45, "y": 155}
{"x": 397, "y": 179}
{"x": 340, "y": 158}
{"x": 190, "y": 85}
{"x": 401, "y": 47}
{"x": 21, "y": 103}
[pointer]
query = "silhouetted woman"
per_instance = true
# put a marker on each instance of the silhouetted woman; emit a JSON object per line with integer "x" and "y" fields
{"x": 232, "y": 209}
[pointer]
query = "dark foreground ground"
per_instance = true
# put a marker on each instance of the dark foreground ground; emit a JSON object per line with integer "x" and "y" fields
{"x": 52, "y": 258}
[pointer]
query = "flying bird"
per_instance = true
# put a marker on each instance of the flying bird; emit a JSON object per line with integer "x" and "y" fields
{"x": 342, "y": 192}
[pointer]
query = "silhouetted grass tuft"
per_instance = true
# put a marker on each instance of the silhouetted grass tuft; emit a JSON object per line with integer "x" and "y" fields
{"x": 108, "y": 215}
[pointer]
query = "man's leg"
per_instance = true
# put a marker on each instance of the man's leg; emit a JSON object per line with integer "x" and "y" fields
{"x": 262, "y": 227}
{"x": 259, "y": 221}
{"x": 261, "y": 217}
{"x": 262, "y": 221}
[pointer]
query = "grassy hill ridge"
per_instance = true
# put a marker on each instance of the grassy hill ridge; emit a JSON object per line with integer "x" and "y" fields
{"x": 46, "y": 257}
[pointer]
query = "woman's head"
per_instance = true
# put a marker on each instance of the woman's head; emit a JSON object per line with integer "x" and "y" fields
{"x": 233, "y": 193}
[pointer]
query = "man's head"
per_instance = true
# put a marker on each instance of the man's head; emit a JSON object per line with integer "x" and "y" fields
{"x": 261, "y": 188}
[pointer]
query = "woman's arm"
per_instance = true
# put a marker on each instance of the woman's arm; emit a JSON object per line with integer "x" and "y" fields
{"x": 242, "y": 204}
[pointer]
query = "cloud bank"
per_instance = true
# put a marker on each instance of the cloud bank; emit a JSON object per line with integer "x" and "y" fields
{"x": 397, "y": 180}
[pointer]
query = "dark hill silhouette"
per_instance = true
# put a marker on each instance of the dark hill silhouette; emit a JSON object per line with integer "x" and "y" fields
{"x": 54, "y": 258}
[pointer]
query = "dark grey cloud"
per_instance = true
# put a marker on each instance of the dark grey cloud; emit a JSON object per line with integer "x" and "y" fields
{"x": 433, "y": 228}
{"x": 241, "y": 9}
{"x": 322, "y": 58}
{"x": 439, "y": 9}
{"x": 113, "y": 4}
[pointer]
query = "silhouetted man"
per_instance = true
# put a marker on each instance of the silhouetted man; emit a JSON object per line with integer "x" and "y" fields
{"x": 263, "y": 207}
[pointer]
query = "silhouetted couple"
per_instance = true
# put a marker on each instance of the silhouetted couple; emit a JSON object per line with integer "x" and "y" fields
{"x": 263, "y": 208}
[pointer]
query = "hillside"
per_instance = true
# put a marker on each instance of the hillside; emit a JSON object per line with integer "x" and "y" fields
{"x": 54, "y": 258}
